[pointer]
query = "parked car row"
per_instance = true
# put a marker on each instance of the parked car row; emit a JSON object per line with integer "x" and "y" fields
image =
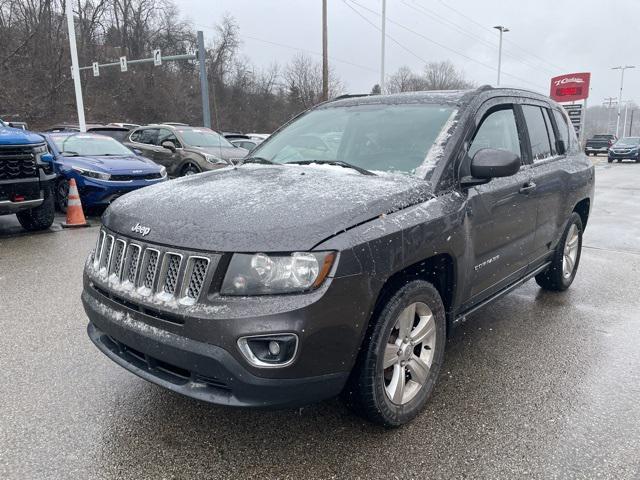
{"x": 106, "y": 162}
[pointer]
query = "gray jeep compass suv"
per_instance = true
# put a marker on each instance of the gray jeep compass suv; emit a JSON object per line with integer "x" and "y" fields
{"x": 339, "y": 256}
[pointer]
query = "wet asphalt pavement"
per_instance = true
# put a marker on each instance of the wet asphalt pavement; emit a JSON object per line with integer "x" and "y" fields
{"x": 536, "y": 385}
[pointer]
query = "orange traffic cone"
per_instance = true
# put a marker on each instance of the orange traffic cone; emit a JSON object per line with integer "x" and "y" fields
{"x": 75, "y": 215}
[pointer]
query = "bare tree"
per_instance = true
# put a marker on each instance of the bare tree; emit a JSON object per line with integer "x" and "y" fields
{"x": 435, "y": 76}
{"x": 303, "y": 78}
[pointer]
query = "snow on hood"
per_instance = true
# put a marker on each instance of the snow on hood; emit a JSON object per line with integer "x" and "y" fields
{"x": 262, "y": 208}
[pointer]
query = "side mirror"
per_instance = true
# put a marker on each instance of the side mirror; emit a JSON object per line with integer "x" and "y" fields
{"x": 168, "y": 145}
{"x": 488, "y": 163}
{"x": 561, "y": 148}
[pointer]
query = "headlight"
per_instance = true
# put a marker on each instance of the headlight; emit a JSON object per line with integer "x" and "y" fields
{"x": 40, "y": 149}
{"x": 263, "y": 274}
{"x": 92, "y": 174}
{"x": 215, "y": 160}
{"x": 163, "y": 172}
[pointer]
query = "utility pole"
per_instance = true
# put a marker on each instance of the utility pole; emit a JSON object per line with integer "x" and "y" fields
{"x": 626, "y": 109}
{"x": 325, "y": 54}
{"x": 622, "y": 69}
{"x": 204, "y": 81}
{"x": 75, "y": 69}
{"x": 502, "y": 30}
{"x": 607, "y": 103}
{"x": 382, "y": 39}
{"x": 631, "y": 123}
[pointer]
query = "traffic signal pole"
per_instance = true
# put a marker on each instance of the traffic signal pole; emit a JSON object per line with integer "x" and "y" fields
{"x": 75, "y": 71}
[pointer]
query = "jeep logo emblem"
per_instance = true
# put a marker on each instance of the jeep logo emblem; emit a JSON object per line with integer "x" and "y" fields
{"x": 144, "y": 231}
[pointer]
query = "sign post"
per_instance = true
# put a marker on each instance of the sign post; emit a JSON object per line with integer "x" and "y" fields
{"x": 157, "y": 58}
{"x": 96, "y": 69}
{"x": 572, "y": 87}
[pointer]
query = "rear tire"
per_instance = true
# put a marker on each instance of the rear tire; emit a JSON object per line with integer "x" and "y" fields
{"x": 401, "y": 357}
{"x": 558, "y": 276}
{"x": 610, "y": 160}
{"x": 39, "y": 218}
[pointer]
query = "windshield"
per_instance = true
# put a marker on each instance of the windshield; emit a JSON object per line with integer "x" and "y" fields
{"x": 628, "y": 141}
{"x": 393, "y": 138}
{"x": 203, "y": 137}
{"x": 89, "y": 145}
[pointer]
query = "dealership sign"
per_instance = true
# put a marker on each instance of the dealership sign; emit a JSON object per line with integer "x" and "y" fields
{"x": 570, "y": 87}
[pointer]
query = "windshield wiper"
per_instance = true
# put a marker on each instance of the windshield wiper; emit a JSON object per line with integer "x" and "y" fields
{"x": 339, "y": 163}
{"x": 261, "y": 160}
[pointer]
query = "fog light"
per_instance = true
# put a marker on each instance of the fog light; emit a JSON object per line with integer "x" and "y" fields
{"x": 269, "y": 350}
{"x": 274, "y": 347}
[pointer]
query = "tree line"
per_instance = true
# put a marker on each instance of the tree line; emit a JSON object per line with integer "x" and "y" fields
{"x": 36, "y": 84}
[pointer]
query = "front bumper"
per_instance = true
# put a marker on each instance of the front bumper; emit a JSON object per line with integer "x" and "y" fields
{"x": 596, "y": 149}
{"x": 634, "y": 155}
{"x": 193, "y": 350}
{"x": 202, "y": 371}
{"x": 95, "y": 192}
{"x": 33, "y": 190}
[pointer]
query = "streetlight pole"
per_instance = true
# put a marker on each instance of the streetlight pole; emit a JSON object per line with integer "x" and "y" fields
{"x": 384, "y": 25}
{"x": 75, "y": 69}
{"x": 502, "y": 30}
{"x": 622, "y": 69}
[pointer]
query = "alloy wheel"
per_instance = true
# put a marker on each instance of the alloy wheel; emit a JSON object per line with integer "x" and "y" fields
{"x": 570, "y": 251}
{"x": 409, "y": 353}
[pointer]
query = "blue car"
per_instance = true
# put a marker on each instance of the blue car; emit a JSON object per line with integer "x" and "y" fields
{"x": 103, "y": 168}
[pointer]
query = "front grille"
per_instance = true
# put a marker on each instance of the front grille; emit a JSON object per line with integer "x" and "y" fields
{"x": 128, "y": 178}
{"x": 17, "y": 162}
{"x": 151, "y": 269}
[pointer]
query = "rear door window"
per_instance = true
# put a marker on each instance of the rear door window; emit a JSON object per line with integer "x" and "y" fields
{"x": 145, "y": 135}
{"x": 538, "y": 134}
{"x": 563, "y": 128}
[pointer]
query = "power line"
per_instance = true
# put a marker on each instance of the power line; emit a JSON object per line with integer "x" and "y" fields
{"x": 484, "y": 27}
{"x": 386, "y": 34}
{"x": 490, "y": 67}
{"x": 291, "y": 47}
{"x": 448, "y": 23}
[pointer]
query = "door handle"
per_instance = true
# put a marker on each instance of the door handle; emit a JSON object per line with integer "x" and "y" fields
{"x": 528, "y": 188}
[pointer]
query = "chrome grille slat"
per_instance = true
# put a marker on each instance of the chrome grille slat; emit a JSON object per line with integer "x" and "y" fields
{"x": 107, "y": 248}
{"x": 197, "y": 276}
{"x": 118, "y": 257}
{"x": 171, "y": 272}
{"x": 150, "y": 266}
{"x": 132, "y": 260}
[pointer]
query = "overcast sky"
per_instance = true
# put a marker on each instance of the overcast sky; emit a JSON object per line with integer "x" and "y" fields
{"x": 546, "y": 37}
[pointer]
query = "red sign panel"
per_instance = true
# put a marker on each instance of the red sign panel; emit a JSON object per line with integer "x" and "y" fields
{"x": 570, "y": 87}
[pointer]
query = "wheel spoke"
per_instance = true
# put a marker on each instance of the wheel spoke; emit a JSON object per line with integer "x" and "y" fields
{"x": 395, "y": 389}
{"x": 405, "y": 321}
{"x": 390, "y": 355}
{"x": 424, "y": 330}
{"x": 418, "y": 369}
{"x": 569, "y": 264}
{"x": 573, "y": 241}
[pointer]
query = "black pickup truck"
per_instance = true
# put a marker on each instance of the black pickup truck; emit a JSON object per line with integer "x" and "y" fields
{"x": 26, "y": 178}
{"x": 599, "y": 144}
{"x": 340, "y": 255}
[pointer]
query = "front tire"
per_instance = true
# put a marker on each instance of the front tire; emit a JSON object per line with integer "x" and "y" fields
{"x": 564, "y": 264}
{"x": 189, "y": 169}
{"x": 39, "y": 218}
{"x": 401, "y": 356}
{"x": 62, "y": 194}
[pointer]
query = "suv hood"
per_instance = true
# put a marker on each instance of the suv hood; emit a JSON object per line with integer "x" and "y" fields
{"x": 256, "y": 208}
{"x": 17, "y": 136}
